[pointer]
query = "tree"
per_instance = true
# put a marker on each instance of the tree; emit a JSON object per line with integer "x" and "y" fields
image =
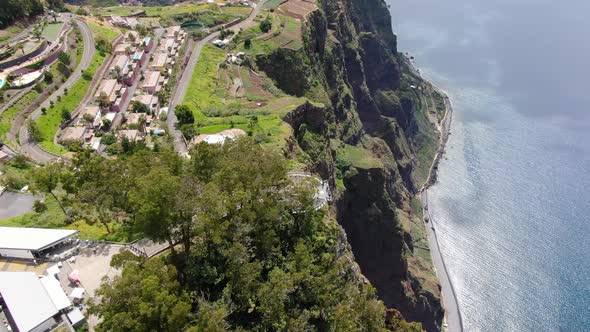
{"x": 21, "y": 46}
{"x": 56, "y": 5}
{"x": 265, "y": 25}
{"x": 153, "y": 204}
{"x": 145, "y": 297}
{"x": 142, "y": 30}
{"x": 188, "y": 131}
{"x": 38, "y": 29}
{"x": 248, "y": 43}
{"x": 65, "y": 115}
{"x": 34, "y": 131}
{"x": 103, "y": 100}
{"x": 138, "y": 107}
{"x": 184, "y": 115}
{"x": 108, "y": 139}
{"x": 48, "y": 178}
{"x": 64, "y": 58}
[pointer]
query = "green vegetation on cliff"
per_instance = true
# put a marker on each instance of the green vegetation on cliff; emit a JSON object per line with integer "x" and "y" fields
{"x": 253, "y": 250}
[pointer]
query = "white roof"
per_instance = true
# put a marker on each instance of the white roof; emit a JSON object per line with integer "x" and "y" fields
{"x": 32, "y": 238}
{"x": 53, "y": 270}
{"x": 26, "y": 299}
{"x": 75, "y": 316}
{"x": 215, "y": 139}
{"x": 55, "y": 292}
{"x": 77, "y": 293}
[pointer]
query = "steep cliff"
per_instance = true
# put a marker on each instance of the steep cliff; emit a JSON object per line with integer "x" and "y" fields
{"x": 370, "y": 132}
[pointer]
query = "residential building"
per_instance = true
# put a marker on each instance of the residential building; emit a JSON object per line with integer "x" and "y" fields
{"x": 29, "y": 243}
{"x": 73, "y": 134}
{"x": 91, "y": 113}
{"x": 147, "y": 99}
{"x": 152, "y": 82}
{"x": 159, "y": 62}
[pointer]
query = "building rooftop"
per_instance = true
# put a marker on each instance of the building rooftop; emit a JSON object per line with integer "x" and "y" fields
{"x": 34, "y": 239}
{"x": 131, "y": 134}
{"x": 120, "y": 61}
{"x": 133, "y": 118}
{"x": 160, "y": 60}
{"x": 146, "y": 99}
{"x": 151, "y": 78}
{"x": 56, "y": 293}
{"x": 165, "y": 44}
{"x": 122, "y": 48}
{"x": 27, "y": 300}
{"x": 170, "y": 31}
{"x": 107, "y": 86}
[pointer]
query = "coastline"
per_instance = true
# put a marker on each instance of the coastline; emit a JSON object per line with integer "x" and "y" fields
{"x": 453, "y": 319}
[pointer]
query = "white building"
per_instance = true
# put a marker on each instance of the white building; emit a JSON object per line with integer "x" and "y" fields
{"x": 31, "y": 304}
{"x": 28, "y": 243}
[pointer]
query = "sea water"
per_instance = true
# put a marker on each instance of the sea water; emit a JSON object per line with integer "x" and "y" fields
{"x": 513, "y": 202}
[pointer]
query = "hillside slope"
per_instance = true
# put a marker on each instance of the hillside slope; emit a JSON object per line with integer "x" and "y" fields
{"x": 371, "y": 133}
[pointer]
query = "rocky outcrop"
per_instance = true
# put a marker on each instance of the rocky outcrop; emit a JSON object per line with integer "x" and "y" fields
{"x": 351, "y": 66}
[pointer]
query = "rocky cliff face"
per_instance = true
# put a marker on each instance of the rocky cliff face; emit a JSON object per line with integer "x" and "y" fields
{"x": 364, "y": 138}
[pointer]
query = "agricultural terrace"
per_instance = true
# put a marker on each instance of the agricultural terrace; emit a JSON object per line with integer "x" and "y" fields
{"x": 207, "y": 14}
{"x": 285, "y": 33}
{"x": 224, "y": 95}
{"x": 49, "y": 122}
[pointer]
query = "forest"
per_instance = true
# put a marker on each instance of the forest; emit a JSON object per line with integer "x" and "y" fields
{"x": 249, "y": 251}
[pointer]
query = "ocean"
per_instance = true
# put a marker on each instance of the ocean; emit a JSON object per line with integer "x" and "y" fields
{"x": 512, "y": 205}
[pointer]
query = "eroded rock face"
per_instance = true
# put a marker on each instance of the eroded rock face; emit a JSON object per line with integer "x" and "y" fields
{"x": 350, "y": 55}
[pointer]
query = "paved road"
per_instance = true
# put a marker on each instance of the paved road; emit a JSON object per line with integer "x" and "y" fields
{"x": 452, "y": 313}
{"x": 183, "y": 82}
{"x": 30, "y": 148}
{"x": 15, "y": 204}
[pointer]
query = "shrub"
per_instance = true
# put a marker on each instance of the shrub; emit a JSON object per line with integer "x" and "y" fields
{"x": 266, "y": 25}
{"x": 39, "y": 206}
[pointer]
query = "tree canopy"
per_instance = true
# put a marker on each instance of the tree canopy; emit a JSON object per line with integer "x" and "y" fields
{"x": 250, "y": 248}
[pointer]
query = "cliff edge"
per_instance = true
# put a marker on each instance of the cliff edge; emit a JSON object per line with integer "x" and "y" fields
{"x": 369, "y": 130}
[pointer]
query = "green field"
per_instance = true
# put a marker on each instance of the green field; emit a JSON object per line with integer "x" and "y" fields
{"x": 150, "y": 11}
{"x": 274, "y": 4}
{"x": 204, "y": 94}
{"x": 237, "y": 10}
{"x": 358, "y": 157}
{"x": 108, "y": 33}
{"x": 8, "y": 116}
{"x": 52, "y": 30}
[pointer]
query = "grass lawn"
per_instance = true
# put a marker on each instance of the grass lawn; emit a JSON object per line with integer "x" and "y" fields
{"x": 52, "y": 30}
{"x": 201, "y": 90}
{"x": 53, "y": 217}
{"x": 242, "y": 11}
{"x": 8, "y": 116}
{"x": 49, "y": 122}
{"x": 274, "y": 4}
{"x": 151, "y": 10}
{"x": 109, "y": 33}
{"x": 358, "y": 157}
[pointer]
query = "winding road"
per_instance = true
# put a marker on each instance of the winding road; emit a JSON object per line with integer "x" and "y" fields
{"x": 184, "y": 81}
{"x": 27, "y": 146}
